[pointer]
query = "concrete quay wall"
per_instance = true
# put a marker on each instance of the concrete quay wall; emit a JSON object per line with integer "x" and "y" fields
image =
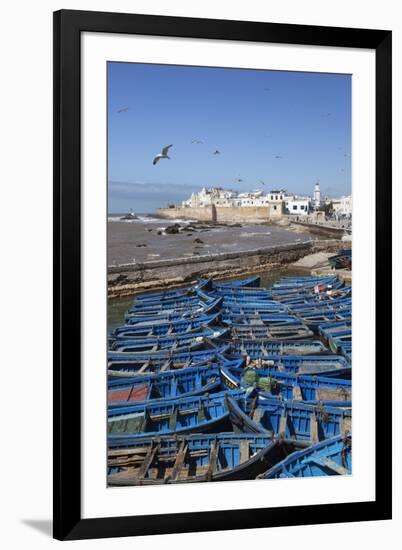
{"x": 127, "y": 279}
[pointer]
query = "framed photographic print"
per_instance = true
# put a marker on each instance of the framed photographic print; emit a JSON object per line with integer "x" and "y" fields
{"x": 212, "y": 179}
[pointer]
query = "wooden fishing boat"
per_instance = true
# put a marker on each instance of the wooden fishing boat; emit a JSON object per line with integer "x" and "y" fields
{"x": 271, "y": 383}
{"x": 273, "y": 332}
{"x": 164, "y": 386}
{"x": 163, "y": 328}
{"x": 338, "y": 335}
{"x": 334, "y": 366}
{"x": 261, "y": 320}
{"x": 253, "y": 308}
{"x": 194, "y": 458}
{"x": 291, "y": 419}
{"x": 303, "y": 284}
{"x": 174, "y": 315}
{"x": 168, "y": 342}
{"x": 313, "y": 320}
{"x": 259, "y": 348}
{"x": 208, "y": 351}
{"x": 250, "y": 282}
{"x": 200, "y": 413}
{"x": 299, "y": 292}
{"x": 326, "y": 458}
{"x": 312, "y": 299}
{"x": 133, "y": 369}
{"x": 203, "y": 284}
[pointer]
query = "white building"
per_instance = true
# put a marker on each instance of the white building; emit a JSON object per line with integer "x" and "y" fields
{"x": 221, "y": 197}
{"x": 343, "y": 206}
{"x": 297, "y": 205}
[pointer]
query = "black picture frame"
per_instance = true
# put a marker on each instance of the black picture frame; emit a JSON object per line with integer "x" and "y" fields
{"x": 68, "y": 26}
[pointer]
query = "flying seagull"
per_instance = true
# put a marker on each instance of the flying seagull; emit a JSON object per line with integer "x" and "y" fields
{"x": 197, "y": 141}
{"x": 239, "y": 180}
{"x": 263, "y": 182}
{"x": 123, "y": 110}
{"x": 217, "y": 152}
{"x": 163, "y": 154}
{"x": 277, "y": 156}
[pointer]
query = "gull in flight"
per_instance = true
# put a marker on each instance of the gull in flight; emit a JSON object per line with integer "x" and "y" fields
{"x": 197, "y": 141}
{"x": 277, "y": 156}
{"x": 163, "y": 154}
{"x": 263, "y": 182}
{"x": 123, "y": 110}
{"x": 217, "y": 152}
{"x": 238, "y": 180}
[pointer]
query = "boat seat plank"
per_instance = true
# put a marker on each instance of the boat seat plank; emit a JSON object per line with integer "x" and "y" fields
{"x": 151, "y": 453}
{"x": 181, "y": 455}
{"x": 330, "y": 464}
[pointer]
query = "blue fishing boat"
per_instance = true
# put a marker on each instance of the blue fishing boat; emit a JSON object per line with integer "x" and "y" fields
{"x": 270, "y": 384}
{"x": 164, "y": 386}
{"x": 163, "y": 328}
{"x": 314, "y": 319}
{"x": 176, "y": 341}
{"x": 207, "y": 352}
{"x": 167, "y": 305}
{"x": 191, "y": 414}
{"x": 194, "y": 458}
{"x": 258, "y": 348}
{"x": 335, "y": 366}
{"x": 250, "y": 282}
{"x": 268, "y": 319}
{"x": 326, "y": 458}
{"x": 303, "y": 282}
{"x": 291, "y": 419}
{"x": 243, "y": 292}
{"x": 314, "y": 299}
{"x": 338, "y": 335}
{"x": 253, "y": 308}
{"x": 205, "y": 284}
{"x": 272, "y": 332}
{"x": 174, "y": 314}
{"x": 316, "y": 290}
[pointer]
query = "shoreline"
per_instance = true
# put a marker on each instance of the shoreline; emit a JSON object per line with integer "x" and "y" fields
{"x": 128, "y": 279}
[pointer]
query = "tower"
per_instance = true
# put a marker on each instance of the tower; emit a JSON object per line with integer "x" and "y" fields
{"x": 317, "y": 195}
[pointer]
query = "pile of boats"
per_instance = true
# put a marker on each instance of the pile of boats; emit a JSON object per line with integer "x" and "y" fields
{"x": 228, "y": 380}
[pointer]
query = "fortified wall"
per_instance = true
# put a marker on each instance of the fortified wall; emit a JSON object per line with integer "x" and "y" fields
{"x": 224, "y": 214}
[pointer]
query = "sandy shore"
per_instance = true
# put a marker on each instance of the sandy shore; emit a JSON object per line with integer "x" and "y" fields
{"x": 138, "y": 242}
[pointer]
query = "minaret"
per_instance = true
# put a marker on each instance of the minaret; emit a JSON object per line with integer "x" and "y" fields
{"x": 317, "y": 195}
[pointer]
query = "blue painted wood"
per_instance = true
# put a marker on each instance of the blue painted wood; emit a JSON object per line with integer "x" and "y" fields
{"x": 175, "y": 314}
{"x": 211, "y": 457}
{"x": 205, "y": 284}
{"x": 292, "y": 419}
{"x": 256, "y": 348}
{"x": 192, "y": 414}
{"x": 303, "y": 283}
{"x": 164, "y": 386}
{"x": 161, "y": 328}
{"x": 289, "y": 387}
{"x": 204, "y": 354}
{"x": 330, "y": 457}
{"x": 249, "y": 282}
{"x": 176, "y": 341}
{"x": 271, "y": 332}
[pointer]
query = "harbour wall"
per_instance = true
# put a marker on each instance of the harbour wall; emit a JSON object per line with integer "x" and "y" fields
{"x": 126, "y": 279}
{"x": 224, "y": 214}
{"x": 321, "y": 229}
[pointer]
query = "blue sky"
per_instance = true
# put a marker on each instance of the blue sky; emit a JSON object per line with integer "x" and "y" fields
{"x": 249, "y": 116}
